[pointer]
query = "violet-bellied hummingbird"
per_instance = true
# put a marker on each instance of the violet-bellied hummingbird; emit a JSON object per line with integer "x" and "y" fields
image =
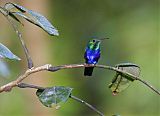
{"x": 92, "y": 55}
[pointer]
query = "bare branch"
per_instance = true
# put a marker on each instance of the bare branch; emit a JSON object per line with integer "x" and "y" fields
{"x": 25, "y": 85}
{"x": 88, "y": 105}
{"x": 29, "y": 59}
{"x": 49, "y": 67}
{"x": 3, "y": 11}
{"x": 149, "y": 85}
{"x": 15, "y": 83}
{"x": 6, "y": 14}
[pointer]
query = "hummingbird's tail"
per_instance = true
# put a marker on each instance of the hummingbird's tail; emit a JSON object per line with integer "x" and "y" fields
{"x": 88, "y": 71}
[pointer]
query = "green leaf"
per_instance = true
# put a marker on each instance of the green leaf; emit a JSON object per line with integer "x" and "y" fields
{"x": 119, "y": 84}
{"x": 6, "y": 53}
{"x": 131, "y": 68}
{"x": 33, "y": 17}
{"x": 15, "y": 18}
{"x": 11, "y": 9}
{"x": 121, "y": 81}
{"x": 53, "y": 95}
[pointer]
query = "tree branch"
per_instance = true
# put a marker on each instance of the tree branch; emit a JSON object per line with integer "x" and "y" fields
{"x": 88, "y": 105}
{"x": 6, "y": 14}
{"x": 49, "y": 67}
{"x": 149, "y": 85}
{"x": 25, "y": 85}
{"x": 29, "y": 59}
{"x": 15, "y": 83}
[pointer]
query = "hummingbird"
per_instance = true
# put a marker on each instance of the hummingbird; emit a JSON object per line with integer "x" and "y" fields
{"x": 92, "y": 55}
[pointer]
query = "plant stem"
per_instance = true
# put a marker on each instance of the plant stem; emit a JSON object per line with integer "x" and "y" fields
{"x": 87, "y": 104}
{"x": 49, "y": 67}
{"x": 25, "y": 85}
{"x": 3, "y": 11}
{"x": 8, "y": 87}
{"x": 29, "y": 59}
{"x": 148, "y": 85}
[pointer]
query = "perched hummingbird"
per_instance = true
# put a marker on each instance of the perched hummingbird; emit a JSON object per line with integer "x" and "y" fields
{"x": 92, "y": 55}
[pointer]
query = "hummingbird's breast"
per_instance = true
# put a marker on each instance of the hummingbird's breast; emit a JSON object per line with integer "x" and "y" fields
{"x": 92, "y": 56}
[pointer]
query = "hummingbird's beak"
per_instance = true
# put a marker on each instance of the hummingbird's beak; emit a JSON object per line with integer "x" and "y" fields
{"x": 101, "y": 39}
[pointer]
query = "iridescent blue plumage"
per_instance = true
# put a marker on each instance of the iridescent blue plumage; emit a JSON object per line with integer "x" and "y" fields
{"x": 92, "y": 55}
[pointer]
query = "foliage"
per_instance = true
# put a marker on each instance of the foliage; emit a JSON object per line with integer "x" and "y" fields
{"x": 6, "y": 53}
{"x": 53, "y": 95}
{"x": 30, "y": 16}
{"x": 120, "y": 82}
{"x": 126, "y": 73}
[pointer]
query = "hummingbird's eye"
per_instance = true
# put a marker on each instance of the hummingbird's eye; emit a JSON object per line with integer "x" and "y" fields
{"x": 94, "y": 40}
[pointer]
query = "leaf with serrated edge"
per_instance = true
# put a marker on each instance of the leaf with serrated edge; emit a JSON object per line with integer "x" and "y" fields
{"x": 6, "y": 53}
{"x": 53, "y": 95}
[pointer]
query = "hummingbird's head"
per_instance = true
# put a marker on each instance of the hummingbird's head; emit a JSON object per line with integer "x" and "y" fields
{"x": 94, "y": 44}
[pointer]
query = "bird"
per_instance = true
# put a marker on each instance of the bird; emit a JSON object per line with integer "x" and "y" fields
{"x": 92, "y": 55}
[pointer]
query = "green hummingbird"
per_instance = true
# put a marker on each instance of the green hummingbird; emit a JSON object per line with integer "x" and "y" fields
{"x": 92, "y": 55}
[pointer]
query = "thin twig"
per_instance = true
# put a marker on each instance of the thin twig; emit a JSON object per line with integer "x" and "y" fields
{"x": 29, "y": 59}
{"x": 15, "y": 83}
{"x": 26, "y": 85}
{"x": 6, "y": 14}
{"x": 51, "y": 68}
{"x": 3, "y": 11}
{"x": 87, "y": 104}
{"x": 149, "y": 85}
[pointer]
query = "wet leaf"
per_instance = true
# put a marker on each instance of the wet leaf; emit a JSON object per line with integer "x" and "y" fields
{"x": 33, "y": 17}
{"x": 120, "y": 82}
{"x": 6, "y": 53}
{"x": 53, "y": 95}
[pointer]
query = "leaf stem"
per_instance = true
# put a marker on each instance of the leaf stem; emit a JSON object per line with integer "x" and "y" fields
{"x": 3, "y": 11}
{"x": 29, "y": 59}
{"x": 87, "y": 104}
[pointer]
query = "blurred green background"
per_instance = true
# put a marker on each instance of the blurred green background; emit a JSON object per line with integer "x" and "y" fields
{"x": 133, "y": 29}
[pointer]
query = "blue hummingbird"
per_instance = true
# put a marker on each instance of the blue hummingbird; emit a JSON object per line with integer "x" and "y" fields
{"x": 92, "y": 55}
